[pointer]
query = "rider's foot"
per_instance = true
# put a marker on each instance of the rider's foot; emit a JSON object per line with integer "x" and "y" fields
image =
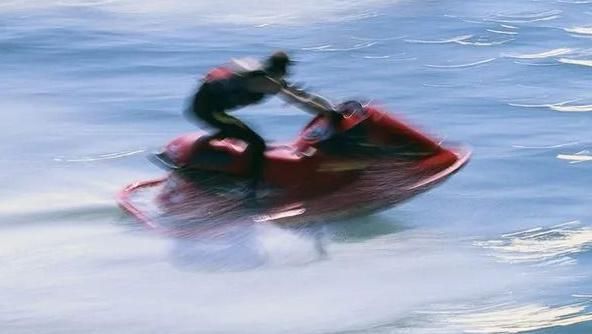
{"x": 194, "y": 158}
{"x": 256, "y": 195}
{"x": 251, "y": 200}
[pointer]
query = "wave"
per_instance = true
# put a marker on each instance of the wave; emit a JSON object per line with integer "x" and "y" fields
{"x": 574, "y": 158}
{"x": 330, "y": 48}
{"x": 553, "y": 245}
{"x": 535, "y": 64}
{"x": 477, "y": 43}
{"x": 439, "y": 85}
{"x": 462, "y": 40}
{"x": 440, "y": 41}
{"x": 580, "y": 30}
{"x": 578, "y": 157}
{"x": 520, "y": 318}
{"x": 575, "y": 2}
{"x": 571, "y": 108}
{"x": 485, "y": 61}
{"x": 502, "y": 32}
{"x": 526, "y": 18}
{"x": 100, "y": 157}
{"x": 548, "y": 18}
{"x": 398, "y": 60}
{"x": 546, "y": 147}
{"x": 359, "y": 16}
{"x": 371, "y": 39}
{"x": 508, "y": 26}
{"x": 541, "y": 55}
{"x": 564, "y": 106}
{"x": 581, "y": 62}
{"x": 316, "y": 48}
{"x": 531, "y": 15}
{"x": 377, "y": 57}
{"x": 389, "y": 58}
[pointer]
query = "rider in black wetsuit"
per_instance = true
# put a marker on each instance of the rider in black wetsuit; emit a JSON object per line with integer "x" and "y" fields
{"x": 224, "y": 89}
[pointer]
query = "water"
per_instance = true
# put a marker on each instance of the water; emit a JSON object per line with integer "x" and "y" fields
{"x": 88, "y": 87}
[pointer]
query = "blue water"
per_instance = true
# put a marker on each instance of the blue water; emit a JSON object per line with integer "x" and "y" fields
{"x": 88, "y": 87}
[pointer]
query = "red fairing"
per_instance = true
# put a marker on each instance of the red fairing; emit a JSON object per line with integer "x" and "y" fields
{"x": 218, "y": 73}
{"x": 320, "y": 176}
{"x": 385, "y": 129}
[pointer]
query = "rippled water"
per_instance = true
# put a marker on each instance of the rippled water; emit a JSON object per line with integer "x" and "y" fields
{"x": 88, "y": 87}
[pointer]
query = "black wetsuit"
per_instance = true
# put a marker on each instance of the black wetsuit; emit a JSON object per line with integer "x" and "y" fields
{"x": 215, "y": 97}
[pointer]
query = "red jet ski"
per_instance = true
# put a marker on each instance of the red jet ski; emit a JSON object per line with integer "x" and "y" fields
{"x": 357, "y": 161}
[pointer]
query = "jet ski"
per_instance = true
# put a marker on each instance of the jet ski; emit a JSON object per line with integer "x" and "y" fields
{"x": 357, "y": 160}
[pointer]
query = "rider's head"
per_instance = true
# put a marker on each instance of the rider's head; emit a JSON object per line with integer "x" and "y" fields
{"x": 277, "y": 64}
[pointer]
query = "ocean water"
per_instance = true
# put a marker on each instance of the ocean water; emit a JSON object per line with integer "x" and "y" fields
{"x": 88, "y": 87}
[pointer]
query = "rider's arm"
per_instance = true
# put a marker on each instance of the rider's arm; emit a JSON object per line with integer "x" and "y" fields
{"x": 259, "y": 83}
{"x": 310, "y": 102}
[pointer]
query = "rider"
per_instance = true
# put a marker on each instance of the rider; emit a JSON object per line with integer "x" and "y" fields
{"x": 230, "y": 87}
{"x": 226, "y": 88}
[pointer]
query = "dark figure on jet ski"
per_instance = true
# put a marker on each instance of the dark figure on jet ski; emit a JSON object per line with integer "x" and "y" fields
{"x": 238, "y": 85}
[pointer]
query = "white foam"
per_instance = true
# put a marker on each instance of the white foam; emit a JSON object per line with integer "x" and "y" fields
{"x": 531, "y": 15}
{"x": 477, "y": 43}
{"x": 571, "y": 108}
{"x": 378, "y": 57}
{"x": 580, "y": 30}
{"x": 541, "y": 55}
{"x": 399, "y": 60}
{"x": 331, "y": 48}
{"x": 526, "y": 18}
{"x": 480, "y": 62}
{"x": 462, "y": 40}
{"x": 317, "y": 48}
{"x": 561, "y": 106}
{"x": 128, "y": 278}
{"x": 548, "y": 18}
{"x": 502, "y": 32}
{"x": 372, "y": 39}
{"x": 534, "y": 64}
{"x": 541, "y": 244}
{"x": 521, "y": 318}
{"x": 581, "y": 62}
{"x": 547, "y": 147}
{"x": 440, "y": 41}
{"x": 575, "y": 158}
